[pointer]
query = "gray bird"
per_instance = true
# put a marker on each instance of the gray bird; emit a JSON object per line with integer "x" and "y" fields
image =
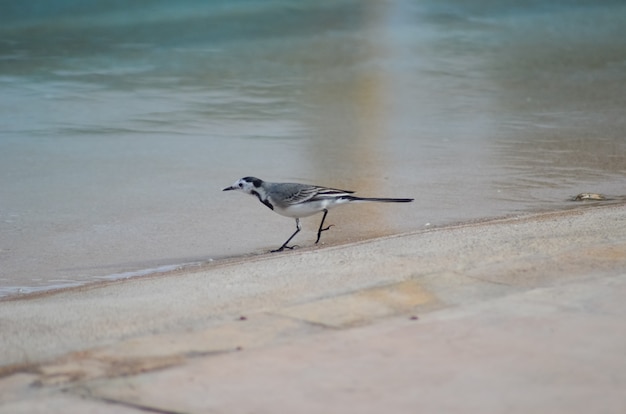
{"x": 301, "y": 200}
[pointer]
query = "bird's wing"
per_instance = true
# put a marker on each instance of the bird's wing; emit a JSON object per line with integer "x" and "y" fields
{"x": 302, "y": 193}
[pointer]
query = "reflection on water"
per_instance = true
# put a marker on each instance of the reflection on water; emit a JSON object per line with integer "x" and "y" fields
{"x": 119, "y": 124}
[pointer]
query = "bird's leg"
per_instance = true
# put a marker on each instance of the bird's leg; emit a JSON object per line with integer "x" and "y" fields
{"x": 321, "y": 229}
{"x": 284, "y": 246}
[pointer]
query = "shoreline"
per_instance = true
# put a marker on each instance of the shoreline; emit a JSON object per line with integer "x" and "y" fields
{"x": 173, "y": 269}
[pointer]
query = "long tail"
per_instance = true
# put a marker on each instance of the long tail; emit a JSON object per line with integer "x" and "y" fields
{"x": 379, "y": 200}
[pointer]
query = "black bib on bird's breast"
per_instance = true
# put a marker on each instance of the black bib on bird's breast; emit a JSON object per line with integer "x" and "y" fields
{"x": 266, "y": 201}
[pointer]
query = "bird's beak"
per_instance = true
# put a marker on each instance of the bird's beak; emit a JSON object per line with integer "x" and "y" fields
{"x": 229, "y": 188}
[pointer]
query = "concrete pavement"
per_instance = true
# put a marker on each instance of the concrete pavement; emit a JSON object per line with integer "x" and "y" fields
{"x": 513, "y": 315}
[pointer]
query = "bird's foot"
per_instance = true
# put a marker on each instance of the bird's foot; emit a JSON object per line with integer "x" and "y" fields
{"x": 319, "y": 232}
{"x": 283, "y": 247}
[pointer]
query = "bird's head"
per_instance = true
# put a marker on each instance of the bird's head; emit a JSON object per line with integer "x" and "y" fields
{"x": 249, "y": 185}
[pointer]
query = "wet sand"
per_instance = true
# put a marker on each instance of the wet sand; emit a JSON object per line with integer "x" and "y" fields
{"x": 523, "y": 312}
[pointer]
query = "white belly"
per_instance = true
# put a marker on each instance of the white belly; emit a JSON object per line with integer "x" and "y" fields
{"x": 307, "y": 209}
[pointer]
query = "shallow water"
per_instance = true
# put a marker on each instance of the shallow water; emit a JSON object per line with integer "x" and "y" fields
{"x": 120, "y": 125}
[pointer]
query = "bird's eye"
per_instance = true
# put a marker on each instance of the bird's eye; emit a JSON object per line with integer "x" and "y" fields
{"x": 240, "y": 185}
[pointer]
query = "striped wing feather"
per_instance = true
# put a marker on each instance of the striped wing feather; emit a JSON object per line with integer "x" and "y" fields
{"x": 303, "y": 193}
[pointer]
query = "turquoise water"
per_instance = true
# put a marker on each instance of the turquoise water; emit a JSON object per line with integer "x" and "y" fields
{"x": 120, "y": 123}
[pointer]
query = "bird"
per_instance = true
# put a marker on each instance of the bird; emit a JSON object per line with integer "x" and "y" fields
{"x": 297, "y": 200}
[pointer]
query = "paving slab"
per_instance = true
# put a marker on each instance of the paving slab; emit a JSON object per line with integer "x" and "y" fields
{"x": 558, "y": 349}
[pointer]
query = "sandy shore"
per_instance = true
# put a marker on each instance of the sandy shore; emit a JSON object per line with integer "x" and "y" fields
{"x": 523, "y": 314}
